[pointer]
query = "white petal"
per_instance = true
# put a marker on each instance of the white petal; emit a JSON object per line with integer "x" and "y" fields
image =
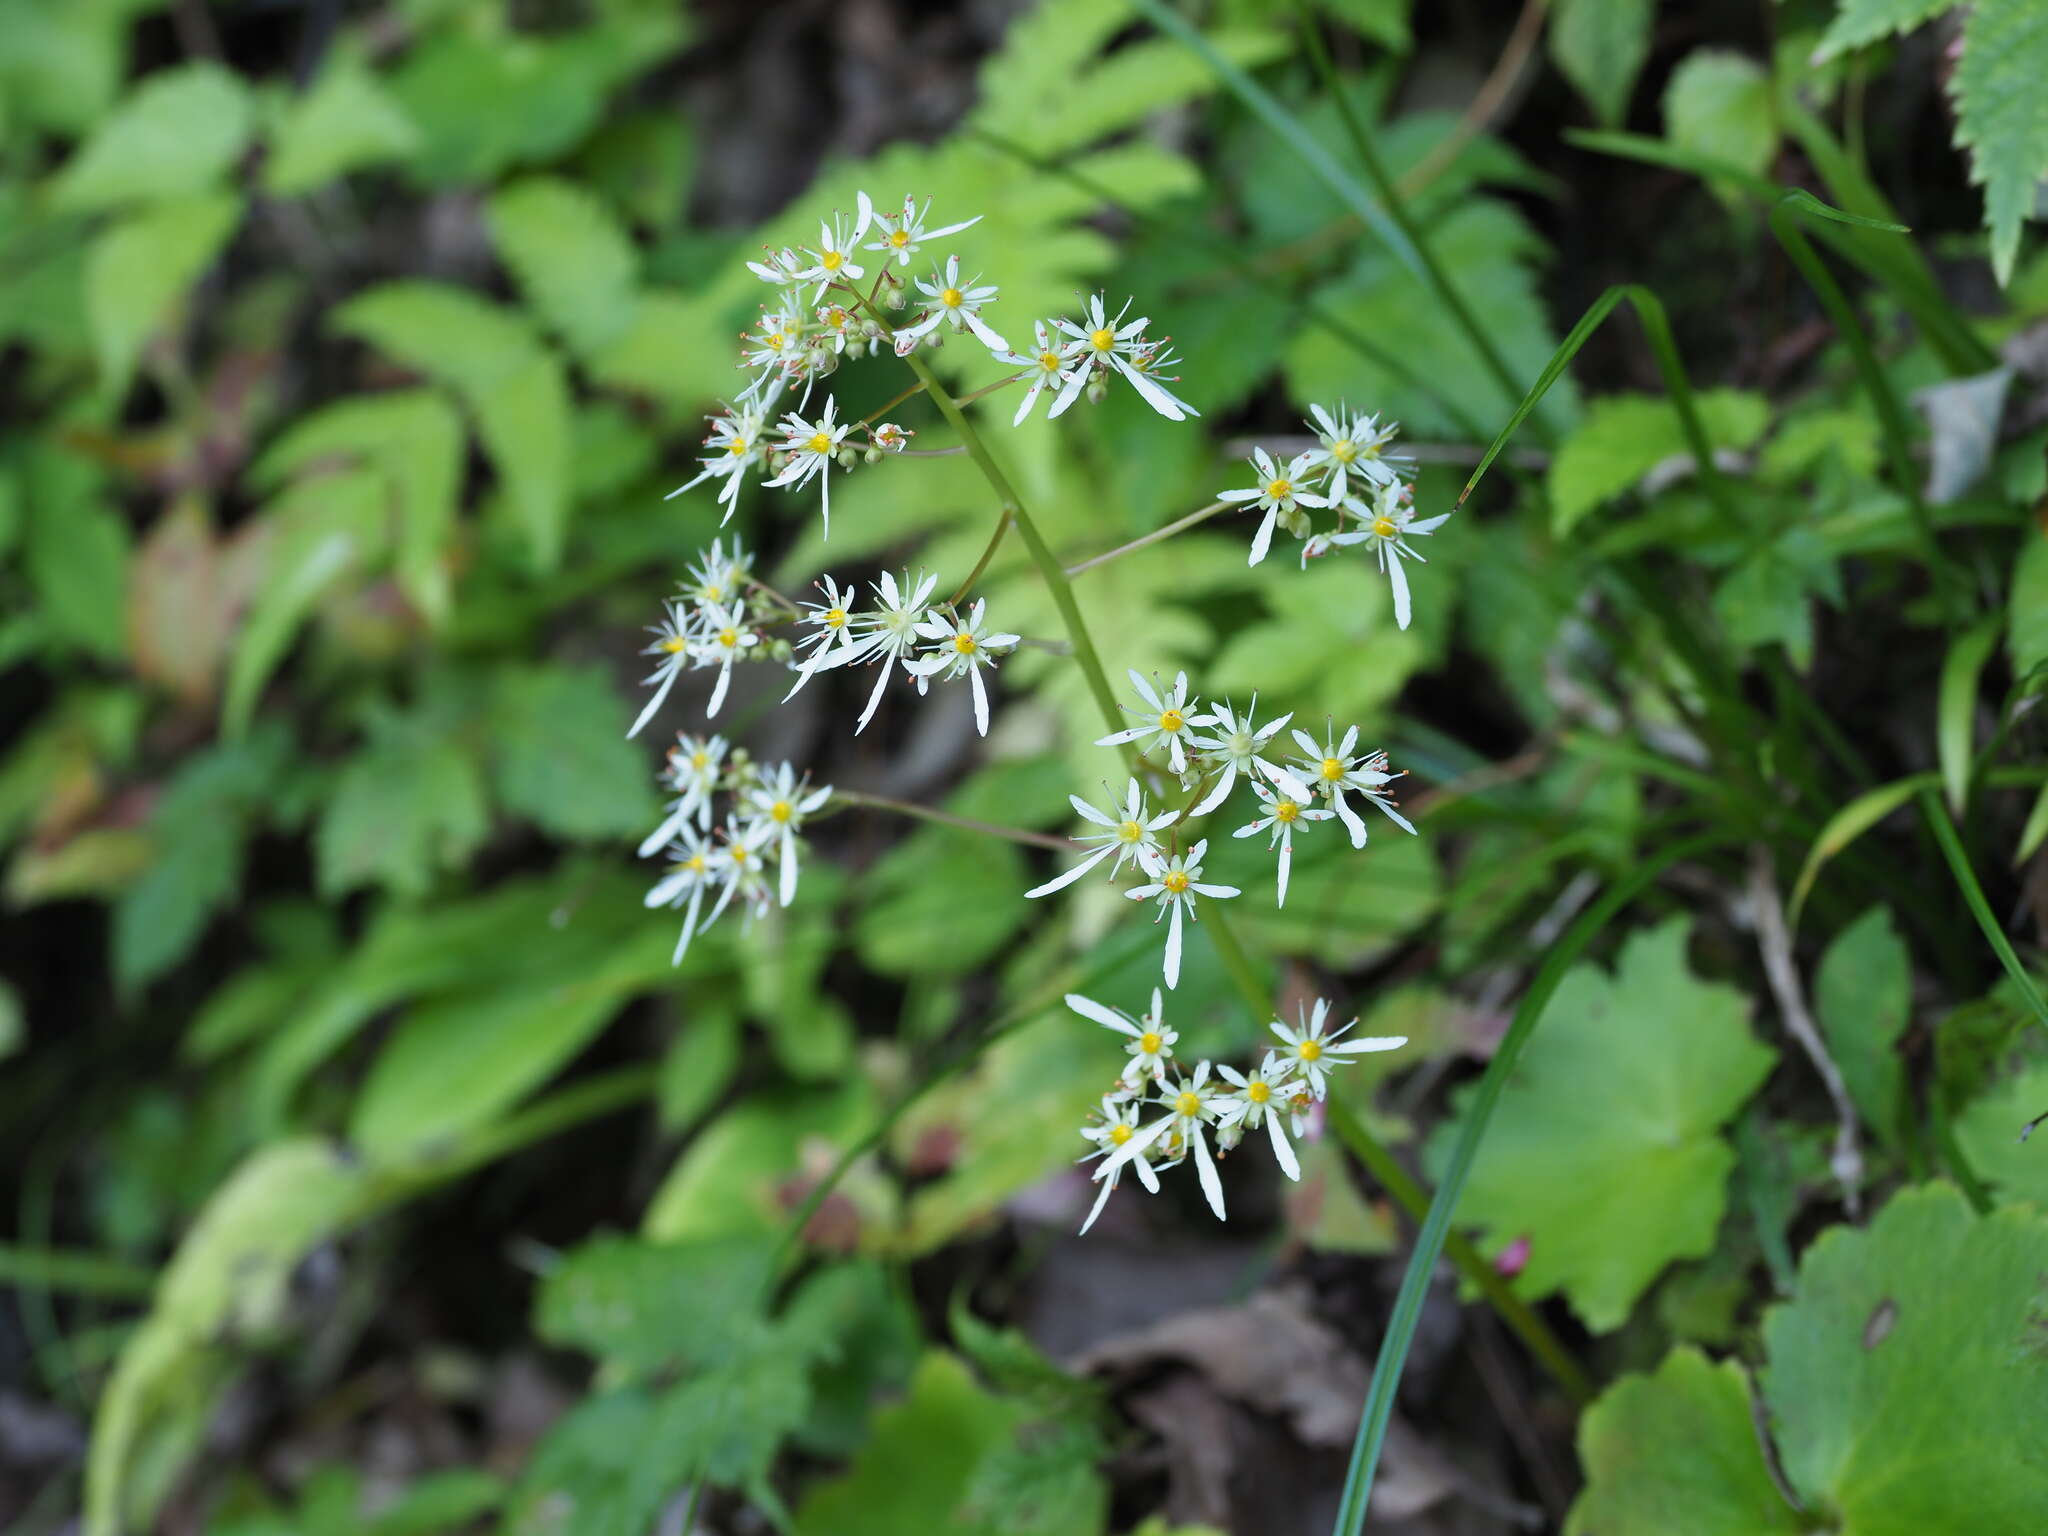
{"x": 1216, "y": 796}
{"x": 980, "y": 700}
{"x": 1095, "y": 1210}
{"x": 1067, "y": 879}
{"x": 668, "y": 829}
{"x": 647, "y": 714}
{"x": 1088, "y": 1008}
{"x": 1282, "y": 1149}
{"x": 1205, "y": 1165}
{"x": 1173, "y": 947}
{"x": 1263, "y": 539}
{"x": 1399, "y": 578}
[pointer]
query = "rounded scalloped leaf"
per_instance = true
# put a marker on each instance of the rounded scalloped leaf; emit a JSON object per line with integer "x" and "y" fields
{"x": 1908, "y": 1380}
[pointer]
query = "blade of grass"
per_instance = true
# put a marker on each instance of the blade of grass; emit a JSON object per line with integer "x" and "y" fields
{"x": 1429, "y": 1243}
{"x": 1956, "y": 705}
{"x": 1980, "y": 907}
{"x": 1848, "y": 824}
{"x": 68, "y": 1270}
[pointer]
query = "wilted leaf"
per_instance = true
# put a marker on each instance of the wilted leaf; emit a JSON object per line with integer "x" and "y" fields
{"x": 1962, "y": 428}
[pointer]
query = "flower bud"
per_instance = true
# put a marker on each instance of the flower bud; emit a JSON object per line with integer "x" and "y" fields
{"x": 1098, "y": 390}
{"x": 872, "y": 456}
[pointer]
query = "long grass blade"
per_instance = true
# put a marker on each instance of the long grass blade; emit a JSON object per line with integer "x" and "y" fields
{"x": 1980, "y": 907}
{"x": 1956, "y": 706}
{"x": 1848, "y": 824}
{"x": 1429, "y": 1243}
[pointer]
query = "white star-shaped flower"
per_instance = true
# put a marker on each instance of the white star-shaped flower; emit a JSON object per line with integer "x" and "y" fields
{"x": 694, "y": 766}
{"x": 1101, "y": 343}
{"x": 672, "y": 643}
{"x": 1109, "y": 1127}
{"x": 961, "y": 648}
{"x": 957, "y": 304}
{"x": 835, "y": 259}
{"x": 1351, "y": 445}
{"x": 1151, "y": 1042}
{"x": 1282, "y": 813}
{"x": 777, "y": 803}
{"x": 1045, "y": 365}
{"x": 1238, "y": 742}
{"x": 1163, "y": 720}
{"x": 1313, "y": 1048}
{"x": 726, "y": 639}
{"x": 1192, "y": 1105}
{"x": 1257, "y": 1099}
{"x": 1280, "y": 493}
{"x": 813, "y": 447}
{"x": 1387, "y": 525}
{"x": 1176, "y": 881}
{"x": 1336, "y": 766}
{"x": 1130, "y": 831}
{"x": 902, "y": 234}
{"x": 693, "y": 870}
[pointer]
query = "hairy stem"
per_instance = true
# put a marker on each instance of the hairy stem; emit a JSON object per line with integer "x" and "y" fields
{"x": 1180, "y": 525}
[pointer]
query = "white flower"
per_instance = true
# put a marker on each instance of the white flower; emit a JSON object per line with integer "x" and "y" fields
{"x": 891, "y": 438}
{"x": 956, "y": 305}
{"x": 837, "y": 322}
{"x": 694, "y": 766}
{"x": 836, "y": 248}
{"x": 1282, "y": 813}
{"x": 834, "y": 621}
{"x": 1102, "y": 343}
{"x": 812, "y": 447}
{"x": 1163, "y": 720}
{"x": 961, "y": 648}
{"x": 1333, "y": 768}
{"x": 719, "y": 579}
{"x": 726, "y": 639}
{"x": 1351, "y": 445}
{"x": 1131, "y": 833}
{"x": 672, "y": 643}
{"x": 1280, "y": 495}
{"x": 1151, "y": 1042}
{"x": 1313, "y": 1049}
{"x": 1045, "y": 365}
{"x": 694, "y": 870}
{"x": 775, "y": 342}
{"x": 1240, "y": 744}
{"x": 738, "y": 441}
{"x": 888, "y": 633}
{"x": 1109, "y": 1127}
{"x": 1191, "y": 1105}
{"x": 902, "y": 235}
{"x": 778, "y": 804}
{"x": 1257, "y": 1101}
{"x": 1151, "y": 359}
{"x": 1386, "y": 525}
{"x": 1175, "y": 883}
{"x": 783, "y": 268}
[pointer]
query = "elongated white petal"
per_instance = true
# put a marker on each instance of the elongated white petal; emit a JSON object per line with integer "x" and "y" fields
{"x": 980, "y": 700}
{"x": 672, "y": 666}
{"x": 1088, "y": 1008}
{"x": 1219, "y": 792}
{"x": 1395, "y": 816}
{"x": 689, "y": 927}
{"x": 1061, "y": 882}
{"x": 1283, "y": 1150}
{"x": 1286, "y": 861}
{"x": 1095, "y": 1210}
{"x": 718, "y": 692}
{"x": 659, "y": 837}
{"x": 1205, "y": 1165}
{"x": 1173, "y": 945}
{"x": 874, "y": 698}
{"x": 1263, "y": 539}
{"x": 787, "y": 893}
{"x": 1351, "y": 821}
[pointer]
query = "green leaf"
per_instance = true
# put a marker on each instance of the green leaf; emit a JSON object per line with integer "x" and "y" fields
{"x": 139, "y": 268}
{"x": 1605, "y": 1151}
{"x": 345, "y": 122}
{"x": 913, "y": 922}
{"x": 560, "y": 755}
{"x": 322, "y": 530}
{"x": 1860, "y": 22}
{"x": 1850, "y": 823}
{"x": 731, "y": 1179}
{"x": 1989, "y": 1129}
{"x": 1956, "y": 706}
{"x": 2002, "y": 115}
{"x": 1343, "y": 906}
{"x": 1623, "y": 437}
{"x": 11, "y": 1028}
{"x": 698, "y": 1066}
{"x": 574, "y": 264}
{"x": 2026, "y": 640}
{"x": 916, "y": 1469}
{"x": 1718, "y": 104}
{"x": 178, "y": 133}
{"x": 440, "y": 1501}
{"x": 649, "y": 1308}
{"x": 2036, "y": 829}
{"x": 61, "y": 65}
{"x": 1676, "y": 1445}
{"x": 409, "y": 805}
{"x": 1862, "y": 994}
{"x": 1600, "y": 45}
{"x": 413, "y": 438}
{"x": 511, "y": 383}
{"x": 1767, "y": 598}
{"x": 77, "y": 556}
{"x": 1907, "y": 1378}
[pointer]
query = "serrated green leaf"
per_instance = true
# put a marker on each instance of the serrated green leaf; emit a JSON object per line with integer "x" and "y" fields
{"x": 1605, "y": 1151}
{"x": 2026, "y": 640}
{"x": 177, "y": 134}
{"x": 139, "y": 268}
{"x": 574, "y": 264}
{"x": 345, "y": 122}
{"x": 1767, "y": 598}
{"x": 1600, "y": 45}
{"x": 913, "y": 923}
{"x": 1718, "y": 104}
{"x": 560, "y": 755}
{"x": 524, "y": 421}
{"x": 1989, "y": 1127}
{"x": 1907, "y": 1375}
{"x": 1623, "y": 437}
{"x": 2002, "y": 115}
{"x": 1862, "y": 995}
{"x": 646, "y": 1309}
{"x": 1673, "y": 1450}
{"x": 407, "y": 806}
{"x": 1859, "y": 22}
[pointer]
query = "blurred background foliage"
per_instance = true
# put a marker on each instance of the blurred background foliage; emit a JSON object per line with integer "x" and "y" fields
{"x": 346, "y": 353}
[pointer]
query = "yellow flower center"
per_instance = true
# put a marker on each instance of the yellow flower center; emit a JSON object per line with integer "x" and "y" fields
{"x": 832, "y": 260}
{"x": 1333, "y": 769}
{"x": 1102, "y": 340}
{"x": 951, "y": 298}
{"x": 1285, "y": 810}
{"x": 1149, "y": 1042}
{"x": 699, "y": 759}
{"x": 835, "y": 618}
{"x": 736, "y": 447}
{"x": 1309, "y": 1050}
{"x": 1258, "y": 1091}
{"x": 1049, "y": 361}
{"x": 899, "y": 238}
{"x": 1279, "y": 490}
{"x": 739, "y": 854}
{"x": 1371, "y": 450}
{"x": 781, "y": 810}
{"x": 1383, "y": 526}
{"x": 774, "y": 340}
{"x": 1176, "y": 881}
{"x": 694, "y": 862}
{"x": 964, "y": 643}
{"x": 713, "y": 592}
{"x": 1171, "y": 720}
{"x": 1343, "y": 450}
{"x": 673, "y": 644}
{"x": 1130, "y": 832}
{"x": 821, "y": 442}
{"x": 728, "y": 638}
{"x": 1188, "y": 1103}
{"x": 1119, "y": 1134}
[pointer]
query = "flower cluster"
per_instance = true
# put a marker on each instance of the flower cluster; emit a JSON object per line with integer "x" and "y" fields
{"x": 1350, "y": 474}
{"x": 1185, "y": 1109}
{"x": 704, "y": 625}
{"x": 758, "y": 831}
{"x": 1208, "y": 750}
